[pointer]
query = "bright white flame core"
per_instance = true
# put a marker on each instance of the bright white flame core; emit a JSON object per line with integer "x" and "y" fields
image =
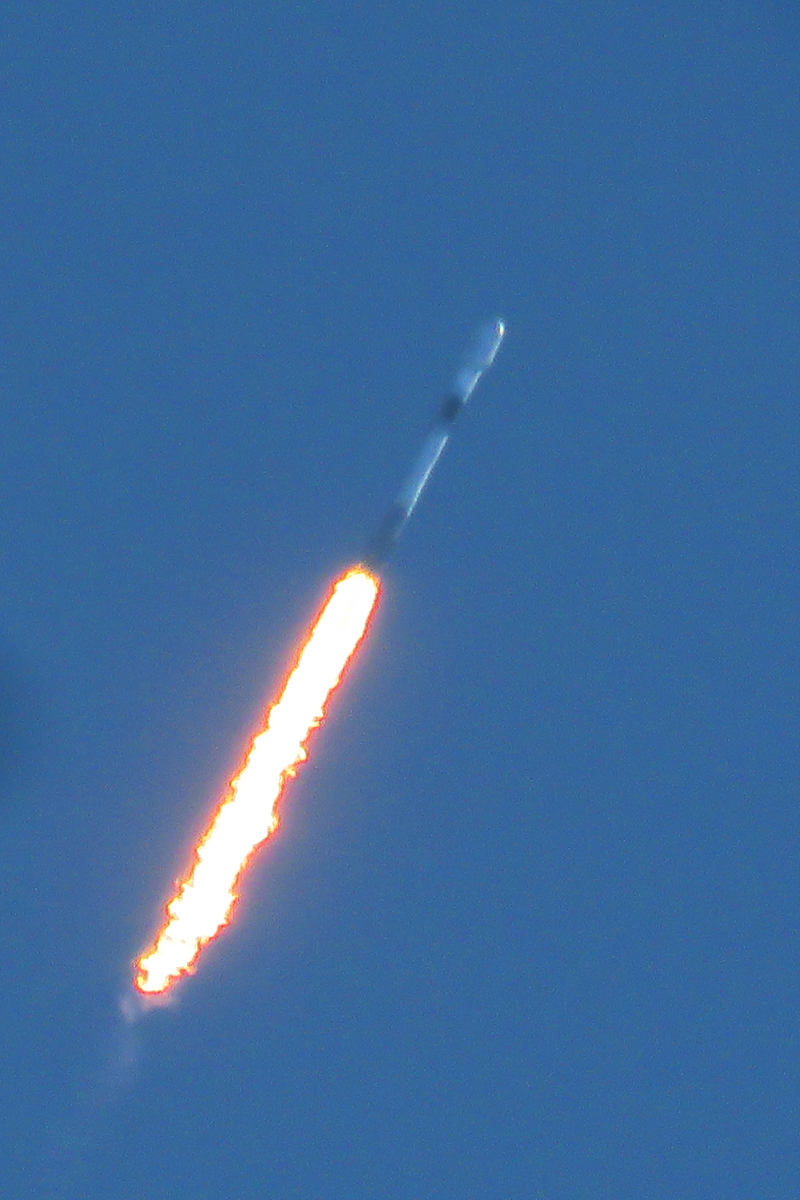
{"x": 248, "y": 816}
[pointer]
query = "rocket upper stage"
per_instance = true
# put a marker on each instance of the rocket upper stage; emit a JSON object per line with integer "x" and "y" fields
{"x": 479, "y": 358}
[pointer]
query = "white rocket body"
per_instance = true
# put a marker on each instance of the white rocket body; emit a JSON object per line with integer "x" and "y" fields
{"x": 478, "y": 359}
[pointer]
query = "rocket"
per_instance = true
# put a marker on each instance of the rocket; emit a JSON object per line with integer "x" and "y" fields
{"x": 476, "y": 361}
{"x": 247, "y": 814}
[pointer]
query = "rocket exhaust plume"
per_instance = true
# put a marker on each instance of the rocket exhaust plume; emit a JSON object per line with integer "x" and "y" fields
{"x": 247, "y": 816}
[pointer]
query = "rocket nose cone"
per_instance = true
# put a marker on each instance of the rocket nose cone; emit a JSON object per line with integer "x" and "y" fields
{"x": 486, "y": 345}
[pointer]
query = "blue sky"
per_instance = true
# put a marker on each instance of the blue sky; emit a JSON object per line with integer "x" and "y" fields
{"x": 529, "y": 927}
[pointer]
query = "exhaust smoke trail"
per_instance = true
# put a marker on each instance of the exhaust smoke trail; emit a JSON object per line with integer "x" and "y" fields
{"x": 247, "y": 816}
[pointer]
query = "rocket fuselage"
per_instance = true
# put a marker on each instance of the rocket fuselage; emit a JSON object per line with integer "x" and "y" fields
{"x": 477, "y": 360}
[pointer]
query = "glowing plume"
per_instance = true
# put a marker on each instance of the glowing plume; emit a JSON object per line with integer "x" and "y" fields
{"x": 247, "y": 816}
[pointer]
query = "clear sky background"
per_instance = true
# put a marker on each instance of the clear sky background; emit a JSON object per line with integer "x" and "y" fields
{"x": 529, "y": 929}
